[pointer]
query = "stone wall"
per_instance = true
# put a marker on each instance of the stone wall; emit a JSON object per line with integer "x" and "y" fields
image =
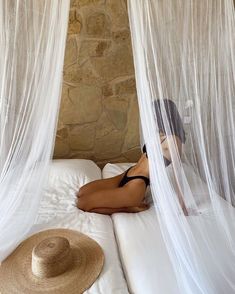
{"x": 99, "y": 116}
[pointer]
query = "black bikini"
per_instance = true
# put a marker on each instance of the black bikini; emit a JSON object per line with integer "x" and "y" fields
{"x": 127, "y": 179}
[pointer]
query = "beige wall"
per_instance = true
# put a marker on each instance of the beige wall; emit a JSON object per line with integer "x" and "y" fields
{"x": 99, "y": 111}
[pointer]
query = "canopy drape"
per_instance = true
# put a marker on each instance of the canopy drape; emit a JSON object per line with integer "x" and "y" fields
{"x": 184, "y": 52}
{"x": 32, "y": 44}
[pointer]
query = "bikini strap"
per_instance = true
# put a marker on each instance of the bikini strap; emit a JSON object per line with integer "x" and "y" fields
{"x": 146, "y": 180}
{"x": 130, "y": 178}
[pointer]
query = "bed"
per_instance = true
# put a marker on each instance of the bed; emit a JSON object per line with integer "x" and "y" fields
{"x": 144, "y": 257}
{"x": 57, "y": 210}
{"x": 136, "y": 259}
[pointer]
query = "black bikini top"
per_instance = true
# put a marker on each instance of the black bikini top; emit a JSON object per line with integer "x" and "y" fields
{"x": 166, "y": 161}
{"x": 127, "y": 179}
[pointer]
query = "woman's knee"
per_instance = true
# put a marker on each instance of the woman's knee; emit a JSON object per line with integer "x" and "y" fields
{"x": 83, "y": 204}
{"x": 81, "y": 192}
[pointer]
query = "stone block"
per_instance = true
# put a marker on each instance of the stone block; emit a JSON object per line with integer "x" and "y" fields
{"x": 132, "y": 155}
{"x": 61, "y": 149}
{"x": 118, "y": 13}
{"x": 118, "y": 62}
{"x": 71, "y": 51}
{"x": 109, "y": 145}
{"x": 62, "y": 133}
{"x": 92, "y": 48}
{"x": 75, "y": 22}
{"x": 76, "y": 74}
{"x": 132, "y": 138}
{"x": 116, "y": 110}
{"x": 121, "y": 36}
{"x": 104, "y": 126}
{"x": 107, "y": 90}
{"x": 81, "y": 3}
{"x": 82, "y": 105}
{"x": 125, "y": 87}
{"x": 98, "y": 25}
{"x": 82, "y": 137}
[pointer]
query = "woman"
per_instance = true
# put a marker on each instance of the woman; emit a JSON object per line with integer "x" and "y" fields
{"x": 126, "y": 192}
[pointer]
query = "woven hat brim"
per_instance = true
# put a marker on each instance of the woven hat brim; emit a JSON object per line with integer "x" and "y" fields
{"x": 88, "y": 259}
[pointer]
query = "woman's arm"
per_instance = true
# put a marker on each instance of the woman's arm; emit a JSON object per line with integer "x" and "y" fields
{"x": 133, "y": 209}
{"x": 132, "y": 194}
{"x": 180, "y": 196}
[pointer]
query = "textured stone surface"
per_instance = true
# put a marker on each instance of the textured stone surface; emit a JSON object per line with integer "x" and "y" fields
{"x": 82, "y": 137}
{"x": 126, "y": 87}
{"x": 132, "y": 154}
{"x": 98, "y": 115}
{"x": 92, "y": 48}
{"x": 121, "y": 36}
{"x": 104, "y": 126}
{"x": 116, "y": 110}
{"x": 83, "y": 73}
{"x": 119, "y": 62}
{"x": 75, "y": 22}
{"x": 61, "y": 149}
{"x": 71, "y": 50}
{"x": 81, "y": 3}
{"x": 132, "y": 132}
{"x": 118, "y": 13}
{"x": 109, "y": 145}
{"x": 98, "y": 25}
{"x": 82, "y": 105}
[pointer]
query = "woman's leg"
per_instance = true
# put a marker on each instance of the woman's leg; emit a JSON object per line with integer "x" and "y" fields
{"x": 102, "y": 184}
{"x": 132, "y": 209}
{"x": 129, "y": 195}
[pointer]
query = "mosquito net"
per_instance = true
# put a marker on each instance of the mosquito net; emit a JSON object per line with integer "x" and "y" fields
{"x": 32, "y": 42}
{"x": 184, "y": 63}
{"x": 184, "y": 66}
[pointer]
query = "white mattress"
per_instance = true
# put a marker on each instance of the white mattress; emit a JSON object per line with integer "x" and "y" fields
{"x": 142, "y": 250}
{"x": 145, "y": 259}
{"x": 58, "y": 210}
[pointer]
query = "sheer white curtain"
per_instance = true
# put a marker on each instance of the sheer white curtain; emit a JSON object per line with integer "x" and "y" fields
{"x": 32, "y": 44}
{"x": 184, "y": 51}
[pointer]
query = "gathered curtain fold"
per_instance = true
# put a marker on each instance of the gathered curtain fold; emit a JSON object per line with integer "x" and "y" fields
{"x": 184, "y": 53}
{"x": 32, "y": 45}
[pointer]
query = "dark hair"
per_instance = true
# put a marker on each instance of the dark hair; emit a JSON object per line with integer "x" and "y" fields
{"x": 173, "y": 116}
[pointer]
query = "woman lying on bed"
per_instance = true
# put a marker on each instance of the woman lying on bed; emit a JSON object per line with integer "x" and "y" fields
{"x": 126, "y": 192}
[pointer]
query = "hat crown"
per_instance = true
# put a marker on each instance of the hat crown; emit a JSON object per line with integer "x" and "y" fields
{"x": 51, "y": 249}
{"x": 51, "y": 257}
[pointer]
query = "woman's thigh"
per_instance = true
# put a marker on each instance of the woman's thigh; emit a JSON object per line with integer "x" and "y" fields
{"x": 102, "y": 184}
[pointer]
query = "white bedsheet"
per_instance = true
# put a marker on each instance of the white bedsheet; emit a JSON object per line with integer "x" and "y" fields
{"x": 58, "y": 211}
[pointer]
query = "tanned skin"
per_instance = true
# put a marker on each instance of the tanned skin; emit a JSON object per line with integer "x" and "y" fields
{"x": 106, "y": 197}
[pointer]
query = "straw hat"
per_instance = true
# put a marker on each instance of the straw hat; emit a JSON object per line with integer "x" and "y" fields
{"x": 52, "y": 261}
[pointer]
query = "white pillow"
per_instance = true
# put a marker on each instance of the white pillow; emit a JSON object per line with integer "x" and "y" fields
{"x": 114, "y": 169}
{"x": 72, "y": 173}
{"x": 65, "y": 178}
